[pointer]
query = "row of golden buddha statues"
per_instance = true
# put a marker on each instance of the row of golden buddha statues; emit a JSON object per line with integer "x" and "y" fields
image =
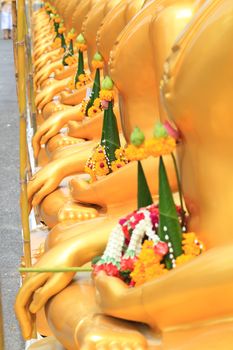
{"x": 168, "y": 60}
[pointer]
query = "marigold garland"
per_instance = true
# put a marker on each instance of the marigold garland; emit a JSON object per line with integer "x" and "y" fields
{"x": 57, "y": 43}
{"x": 83, "y": 79}
{"x": 99, "y": 165}
{"x": 95, "y": 109}
{"x": 71, "y": 60}
{"x": 155, "y": 147}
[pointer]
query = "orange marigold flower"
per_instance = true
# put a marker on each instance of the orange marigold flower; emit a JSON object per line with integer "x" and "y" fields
{"x": 135, "y": 153}
{"x": 97, "y": 102}
{"x": 192, "y": 249}
{"x": 83, "y": 78}
{"x": 98, "y": 154}
{"x": 92, "y": 111}
{"x": 89, "y": 171}
{"x": 57, "y": 41}
{"x": 191, "y": 244}
{"x": 117, "y": 164}
{"x": 71, "y": 84}
{"x": 78, "y": 85}
{"x": 148, "y": 266}
{"x": 81, "y": 47}
{"x": 157, "y": 147}
{"x": 101, "y": 168}
{"x": 71, "y": 36}
{"x": 61, "y": 30}
{"x": 107, "y": 95}
{"x": 97, "y": 64}
{"x": 183, "y": 259}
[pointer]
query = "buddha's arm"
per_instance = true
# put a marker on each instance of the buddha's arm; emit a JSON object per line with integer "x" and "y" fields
{"x": 47, "y": 94}
{"x": 187, "y": 294}
{"x": 50, "y": 56}
{"x": 49, "y": 178}
{"x": 76, "y": 97}
{"x": 66, "y": 72}
{"x": 89, "y": 128}
{"x": 53, "y": 125}
{"x": 110, "y": 190}
{"x": 39, "y": 287}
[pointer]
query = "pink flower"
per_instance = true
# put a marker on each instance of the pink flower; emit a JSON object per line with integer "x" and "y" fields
{"x": 104, "y": 104}
{"x": 122, "y": 221}
{"x": 161, "y": 248}
{"x": 171, "y": 131}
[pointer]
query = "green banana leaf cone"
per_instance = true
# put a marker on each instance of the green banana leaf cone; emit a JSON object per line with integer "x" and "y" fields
{"x": 144, "y": 197}
{"x": 95, "y": 90}
{"x": 169, "y": 229}
{"x": 110, "y": 134}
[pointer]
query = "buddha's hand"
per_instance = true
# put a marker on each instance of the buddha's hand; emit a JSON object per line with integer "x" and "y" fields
{"x": 110, "y": 293}
{"x": 46, "y": 95}
{"x": 48, "y": 129}
{"x": 38, "y": 288}
{"x": 44, "y": 182}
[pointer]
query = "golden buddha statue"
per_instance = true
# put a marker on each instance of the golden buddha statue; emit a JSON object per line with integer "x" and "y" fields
{"x": 89, "y": 129}
{"x": 188, "y": 309}
{"x": 82, "y": 324}
{"x": 90, "y": 26}
{"x": 79, "y": 15}
{"x": 99, "y": 193}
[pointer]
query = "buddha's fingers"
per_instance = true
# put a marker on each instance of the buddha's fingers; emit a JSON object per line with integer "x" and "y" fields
{"x": 54, "y": 285}
{"x": 23, "y": 298}
{"x": 33, "y": 186}
{"x": 54, "y": 130}
{"x": 48, "y": 187}
{"x": 108, "y": 290}
{"x": 36, "y": 141}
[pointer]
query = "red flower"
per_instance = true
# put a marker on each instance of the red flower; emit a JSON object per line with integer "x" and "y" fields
{"x": 137, "y": 218}
{"x": 161, "y": 248}
{"x": 128, "y": 264}
{"x": 132, "y": 284}
{"x": 98, "y": 268}
{"x": 111, "y": 270}
{"x": 126, "y": 233}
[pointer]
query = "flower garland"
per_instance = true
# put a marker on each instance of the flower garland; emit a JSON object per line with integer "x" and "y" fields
{"x": 91, "y": 106}
{"x": 95, "y": 109}
{"x": 99, "y": 164}
{"x": 69, "y": 59}
{"x": 161, "y": 144}
{"x": 81, "y": 78}
{"x": 135, "y": 253}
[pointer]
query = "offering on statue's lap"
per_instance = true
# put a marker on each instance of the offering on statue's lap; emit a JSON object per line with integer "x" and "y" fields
{"x": 135, "y": 252}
